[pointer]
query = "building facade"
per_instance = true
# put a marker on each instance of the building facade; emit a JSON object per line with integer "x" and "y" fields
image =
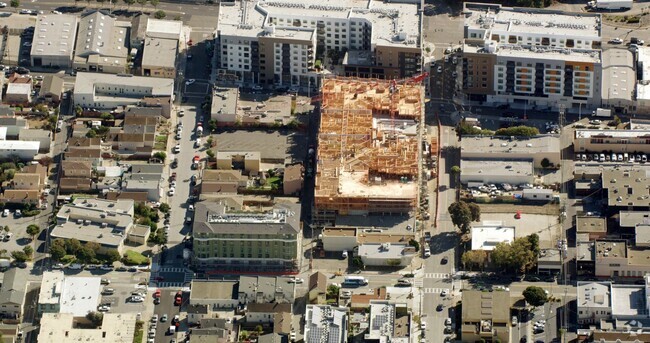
{"x": 241, "y": 240}
{"x": 539, "y": 59}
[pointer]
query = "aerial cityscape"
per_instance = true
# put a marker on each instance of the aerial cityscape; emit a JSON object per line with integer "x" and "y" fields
{"x": 324, "y": 171}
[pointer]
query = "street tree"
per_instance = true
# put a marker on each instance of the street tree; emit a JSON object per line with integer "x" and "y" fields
{"x": 474, "y": 258}
{"x": 535, "y": 296}
{"x": 113, "y": 256}
{"x": 475, "y": 210}
{"x": 57, "y": 252}
{"x": 72, "y": 246}
{"x": 461, "y": 215}
{"x": 29, "y": 251}
{"x": 19, "y": 256}
{"x": 455, "y": 171}
{"x": 33, "y": 230}
{"x": 518, "y": 256}
{"x": 15, "y": 3}
{"x": 160, "y": 14}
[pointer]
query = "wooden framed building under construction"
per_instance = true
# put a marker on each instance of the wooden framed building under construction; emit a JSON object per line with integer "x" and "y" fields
{"x": 368, "y": 147}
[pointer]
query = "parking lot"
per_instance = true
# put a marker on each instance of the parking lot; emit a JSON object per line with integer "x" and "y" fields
{"x": 18, "y": 230}
{"x": 545, "y": 226}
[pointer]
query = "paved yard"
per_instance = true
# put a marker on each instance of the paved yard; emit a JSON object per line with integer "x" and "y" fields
{"x": 545, "y": 226}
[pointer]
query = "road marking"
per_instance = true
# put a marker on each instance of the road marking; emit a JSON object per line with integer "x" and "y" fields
{"x": 436, "y": 276}
{"x": 171, "y": 270}
{"x": 434, "y": 290}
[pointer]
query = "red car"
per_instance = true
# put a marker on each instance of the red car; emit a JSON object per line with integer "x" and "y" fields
{"x": 178, "y": 298}
{"x": 156, "y": 294}
{"x": 196, "y": 159}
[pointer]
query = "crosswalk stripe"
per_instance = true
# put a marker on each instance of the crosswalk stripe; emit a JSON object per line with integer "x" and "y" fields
{"x": 434, "y": 290}
{"x": 436, "y": 275}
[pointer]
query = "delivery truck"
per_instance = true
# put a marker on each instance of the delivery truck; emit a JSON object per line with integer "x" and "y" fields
{"x": 602, "y": 112}
{"x": 610, "y": 5}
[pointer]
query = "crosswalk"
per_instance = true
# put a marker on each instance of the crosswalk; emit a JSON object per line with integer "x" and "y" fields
{"x": 436, "y": 275}
{"x": 171, "y": 270}
{"x": 434, "y": 290}
{"x": 188, "y": 276}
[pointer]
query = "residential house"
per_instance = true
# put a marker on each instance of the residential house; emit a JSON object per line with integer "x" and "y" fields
{"x": 222, "y": 181}
{"x": 18, "y": 94}
{"x": 266, "y": 289}
{"x": 51, "y": 89}
{"x": 13, "y": 124}
{"x": 292, "y": 180}
{"x": 44, "y": 137}
{"x": 317, "y": 288}
{"x": 389, "y": 322}
{"x": 266, "y": 312}
{"x": 250, "y": 161}
{"x": 12, "y": 293}
{"x": 215, "y": 294}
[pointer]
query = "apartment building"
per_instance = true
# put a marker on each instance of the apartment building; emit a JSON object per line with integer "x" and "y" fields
{"x": 539, "y": 59}
{"x": 325, "y": 323}
{"x": 227, "y": 238}
{"x": 286, "y": 36}
{"x": 617, "y": 141}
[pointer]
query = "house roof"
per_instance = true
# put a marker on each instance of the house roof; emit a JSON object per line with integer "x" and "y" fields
{"x": 214, "y": 290}
{"x": 270, "y": 307}
{"x": 282, "y": 323}
{"x": 52, "y": 84}
{"x": 293, "y": 172}
{"x": 84, "y": 153}
{"x": 14, "y": 285}
{"x": 197, "y": 309}
{"x": 28, "y": 179}
{"x": 223, "y": 175}
{"x": 77, "y": 165}
{"x": 83, "y": 142}
{"x": 74, "y": 183}
{"x": 218, "y": 187}
{"x": 20, "y": 195}
{"x": 139, "y": 197}
{"x": 318, "y": 280}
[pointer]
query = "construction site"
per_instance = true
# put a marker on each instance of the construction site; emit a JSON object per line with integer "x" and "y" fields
{"x": 368, "y": 147}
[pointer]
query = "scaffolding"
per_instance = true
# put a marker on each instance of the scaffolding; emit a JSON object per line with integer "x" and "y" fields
{"x": 362, "y": 166}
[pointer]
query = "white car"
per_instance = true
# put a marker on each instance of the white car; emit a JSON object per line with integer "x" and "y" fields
{"x": 444, "y": 292}
{"x": 136, "y": 299}
{"x": 346, "y": 294}
{"x": 25, "y": 12}
{"x": 427, "y": 252}
{"x": 18, "y": 213}
{"x": 439, "y": 69}
{"x": 190, "y": 81}
{"x": 448, "y": 321}
{"x": 173, "y": 184}
{"x": 56, "y": 12}
{"x": 423, "y": 326}
{"x": 296, "y": 280}
{"x": 178, "y": 136}
{"x": 177, "y": 148}
{"x": 190, "y": 208}
{"x": 179, "y": 129}
{"x": 5, "y": 213}
{"x": 3, "y": 4}
{"x": 616, "y": 41}
{"x": 181, "y": 113}
{"x": 104, "y": 308}
{"x": 172, "y": 191}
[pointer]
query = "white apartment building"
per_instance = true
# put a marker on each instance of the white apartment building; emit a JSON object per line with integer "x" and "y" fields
{"x": 539, "y": 59}
{"x": 277, "y": 42}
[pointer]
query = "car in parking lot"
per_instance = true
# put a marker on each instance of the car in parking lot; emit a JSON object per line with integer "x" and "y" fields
{"x": 18, "y": 214}
{"x": 5, "y": 212}
{"x": 403, "y": 282}
{"x": 345, "y": 294}
{"x": 177, "y": 149}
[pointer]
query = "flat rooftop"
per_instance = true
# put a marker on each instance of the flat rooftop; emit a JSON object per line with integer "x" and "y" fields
{"x": 86, "y": 83}
{"x": 591, "y": 224}
{"x": 392, "y": 250}
{"x": 164, "y": 28}
{"x": 627, "y": 186}
{"x": 610, "y": 249}
{"x": 638, "y": 256}
{"x": 618, "y": 74}
{"x": 511, "y": 20}
{"x": 483, "y": 168}
{"x": 209, "y": 290}
{"x": 585, "y": 251}
{"x": 80, "y": 295}
{"x": 54, "y": 35}
{"x": 51, "y": 286}
{"x": 487, "y": 236}
{"x": 159, "y": 52}
{"x": 588, "y": 133}
{"x": 633, "y": 218}
{"x": 628, "y": 300}
{"x": 224, "y": 100}
{"x": 594, "y": 294}
{"x": 272, "y": 146}
{"x": 392, "y": 23}
{"x": 499, "y": 144}
{"x": 60, "y": 327}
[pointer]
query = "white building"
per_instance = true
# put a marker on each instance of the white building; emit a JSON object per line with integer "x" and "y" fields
{"x": 53, "y": 43}
{"x": 107, "y": 91}
{"x": 23, "y": 150}
{"x": 61, "y": 327}
{"x": 386, "y": 254}
{"x": 102, "y": 43}
{"x": 619, "y": 77}
{"x": 539, "y": 59}
{"x": 69, "y": 294}
{"x": 326, "y": 324}
{"x": 275, "y": 42}
{"x": 487, "y": 236}
{"x": 488, "y": 171}
{"x": 500, "y": 148}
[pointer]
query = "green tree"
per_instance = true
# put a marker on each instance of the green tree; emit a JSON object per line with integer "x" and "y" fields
{"x": 72, "y": 246}
{"x": 474, "y": 258}
{"x": 57, "y": 252}
{"x": 534, "y": 243}
{"x": 154, "y": 3}
{"x": 91, "y": 133}
{"x": 164, "y": 207}
{"x": 455, "y": 171}
{"x": 86, "y": 254}
{"x": 518, "y": 256}
{"x": 15, "y": 3}
{"x": 19, "y": 256}
{"x": 95, "y": 317}
{"x": 415, "y": 244}
{"x": 78, "y": 110}
{"x": 160, "y": 14}
{"x": 210, "y": 154}
{"x": 461, "y": 215}
{"x": 113, "y": 256}
{"x": 33, "y": 230}
{"x": 209, "y": 141}
{"x": 28, "y": 250}
{"x": 259, "y": 329}
{"x": 535, "y": 296}
{"x": 161, "y": 155}
{"x": 545, "y": 163}
{"x": 475, "y": 210}
{"x": 519, "y": 131}
{"x": 333, "y": 291}
{"x": 616, "y": 121}
{"x": 129, "y": 3}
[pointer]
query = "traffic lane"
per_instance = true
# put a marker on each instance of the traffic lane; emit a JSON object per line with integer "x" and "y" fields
{"x": 167, "y": 307}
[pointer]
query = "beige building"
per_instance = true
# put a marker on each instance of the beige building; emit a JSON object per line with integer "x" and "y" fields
{"x": 617, "y": 141}
{"x": 292, "y": 181}
{"x": 102, "y": 43}
{"x": 486, "y": 316}
{"x": 317, "y": 287}
{"x": 616, "y": 259}
{"x": 63, "y": 327}
{"x": 626, "y": 187}
{"x": 53, "y": 41}
{"x": 248, "y": 162}
{"x": 534, "y": 149}
{"x": 160, "y": 47}
{"x": 534, "y": 58}
{"x": 595, "y": 227}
